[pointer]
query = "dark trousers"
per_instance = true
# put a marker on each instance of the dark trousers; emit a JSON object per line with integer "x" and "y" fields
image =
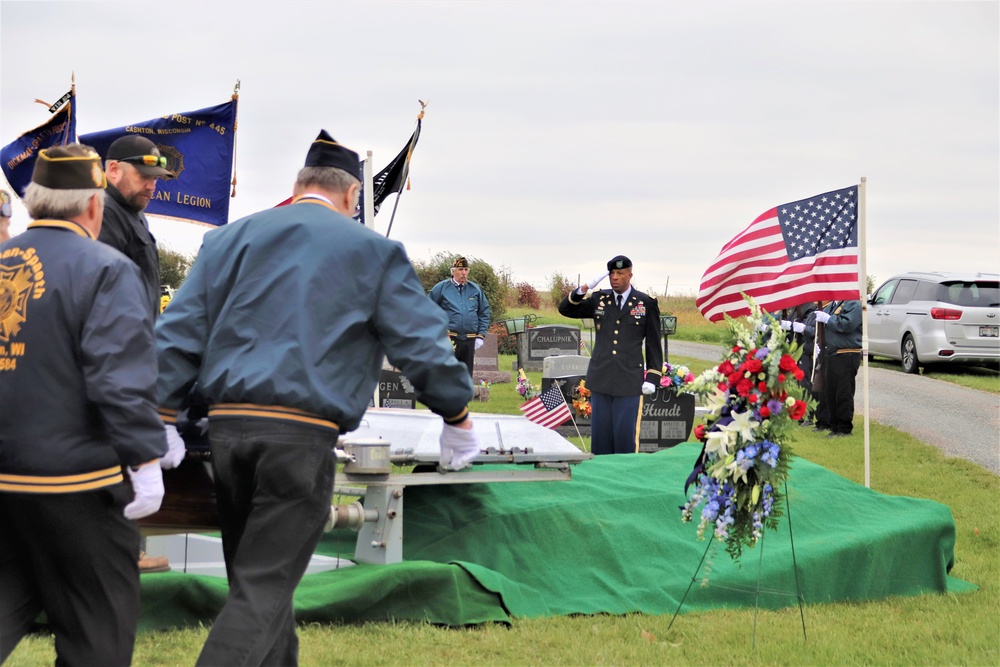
{"x": 72, "y": 556}
{"x": 465, "y": 351}
{"x": 274, "y": 485}
{"x": 836, "y": 406}
{"x": 613, "y": 423}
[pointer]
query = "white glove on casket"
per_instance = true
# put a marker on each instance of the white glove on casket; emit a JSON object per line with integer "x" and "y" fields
{"x": 175, "y": 448}
{"x": 479, "y": 343}
{"x": 822, "y": 316}
{"x": 458, "y": 447}
{"x": 597, "y": 280}
{"x": 147, "y": 482}
{"x": 648, "y": 388}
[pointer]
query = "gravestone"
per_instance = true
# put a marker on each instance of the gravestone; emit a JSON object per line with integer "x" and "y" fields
{"x": 667, "y": 420}
{"x": 550, "y": 340}
{"x": 567, "y": 371}
{"x": 395, "y": 391}
{"x": 485, "y": 364}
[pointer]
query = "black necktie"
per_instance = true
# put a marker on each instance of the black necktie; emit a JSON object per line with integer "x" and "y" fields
{"x": 619, "y": 297}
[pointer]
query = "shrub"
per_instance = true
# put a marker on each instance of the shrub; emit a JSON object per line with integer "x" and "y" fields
{"x": 506, "y": 344}
{"x": 527, "y": 296}
{"x": 559, "y": 286}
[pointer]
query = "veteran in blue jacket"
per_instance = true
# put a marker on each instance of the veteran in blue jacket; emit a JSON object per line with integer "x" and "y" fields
{"x": 77, "y": 405}
{"x": 282, "y": 324}
{"x": 627, "y": 322}
{"x": 468, "y": 311}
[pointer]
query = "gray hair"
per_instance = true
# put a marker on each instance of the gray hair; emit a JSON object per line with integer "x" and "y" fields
{"x": 327, "y": 178}
{"x": 45, "y": 203}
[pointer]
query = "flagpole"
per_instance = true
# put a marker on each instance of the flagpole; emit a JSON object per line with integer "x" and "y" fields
{"x": 368, "y": 205}
{"x": 406, "y": 170}
{"x": 571, "y": 417}
{"x": 863, "y": 292}
{"x": 236, "y": 101}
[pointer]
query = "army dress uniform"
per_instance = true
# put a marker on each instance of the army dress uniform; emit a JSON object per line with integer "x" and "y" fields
{"x": 617, "y": 369}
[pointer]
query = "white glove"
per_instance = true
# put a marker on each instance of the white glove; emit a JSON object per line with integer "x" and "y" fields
{"x": 147, "y": 482}
{"x": 648, "y": 388}
{"x": 786, "y": 325}
{"x": 175, "y": 448}
{"x": 479, "y": 343}
{"x": 822, "y": 316}
{"x": 458, "y": 447}
{"x": 597, "y": 280}
{"x": 798, "y": 327}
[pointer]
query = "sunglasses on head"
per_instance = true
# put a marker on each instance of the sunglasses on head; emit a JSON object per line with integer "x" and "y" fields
{"x": 148, "y": 160}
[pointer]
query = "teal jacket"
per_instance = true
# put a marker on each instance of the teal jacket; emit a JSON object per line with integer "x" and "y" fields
{"x": 466, "y": 306}
{"x": 286, "y": 314}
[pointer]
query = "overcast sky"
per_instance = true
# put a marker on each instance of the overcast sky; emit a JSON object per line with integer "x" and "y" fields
{"x": 559, "y": 134}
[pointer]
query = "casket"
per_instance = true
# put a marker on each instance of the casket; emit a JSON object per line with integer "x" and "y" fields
{"x": 188, "y": 499}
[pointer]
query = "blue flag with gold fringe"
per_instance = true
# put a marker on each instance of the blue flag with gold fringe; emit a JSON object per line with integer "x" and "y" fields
{"x": 18, "y": 157}
{"x": 200, "y": 148}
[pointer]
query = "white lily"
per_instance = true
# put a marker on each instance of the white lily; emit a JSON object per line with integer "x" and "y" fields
{"x": 744, "y": 424}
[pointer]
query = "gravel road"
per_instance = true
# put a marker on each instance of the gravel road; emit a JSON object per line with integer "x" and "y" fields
{"x": 961, "y": 422}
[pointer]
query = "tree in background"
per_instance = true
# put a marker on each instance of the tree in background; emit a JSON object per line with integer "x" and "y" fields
{"x": 559, "y": 286}
{"x": 495, "y": 287}
{"x": 174, "y": 267}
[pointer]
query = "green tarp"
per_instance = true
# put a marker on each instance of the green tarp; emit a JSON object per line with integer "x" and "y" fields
{"x": 608, "y": 541}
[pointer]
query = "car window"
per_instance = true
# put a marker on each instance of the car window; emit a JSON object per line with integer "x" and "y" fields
{"x": 904, "y": 292}
{"x": 929, "y": 291}
{"x": 883, "y": 293}
{"x": 974, "y": 294}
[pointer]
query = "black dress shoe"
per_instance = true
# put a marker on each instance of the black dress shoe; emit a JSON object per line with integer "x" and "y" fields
{"x": 819, "y": 428}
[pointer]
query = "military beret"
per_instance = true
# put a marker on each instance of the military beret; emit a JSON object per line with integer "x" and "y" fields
{"x": 619, "y": 262}
{"x": 326, "y": 152}
{"x": 69, "y": 167}
{"x": 460, "y": 263}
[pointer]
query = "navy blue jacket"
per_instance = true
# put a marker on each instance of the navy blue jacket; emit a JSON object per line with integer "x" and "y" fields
{"x": 616, "y": 366}
{"x": 77, "y": 363}
{"x": 466, "y": 306}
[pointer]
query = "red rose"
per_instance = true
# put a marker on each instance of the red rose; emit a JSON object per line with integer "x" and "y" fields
{"x": 699, "y": 431}
{"x": 781, "y": 377}
{"x": 754, "y": 365}
{"x": 722, "y": 386}
{"x": 799, "y": 374}
{"x": 764, "y": 412}
{"x": 787, "y": 363}
{"x": 744, "y": 387}
{"x": 726, "y": 367}
{"x": 752, "y": 399}
{"x": 798, "y": 410}
{"x": 762, "y": 387}
{"x": 736, "y": 348}
{"x": 735, "y": 377}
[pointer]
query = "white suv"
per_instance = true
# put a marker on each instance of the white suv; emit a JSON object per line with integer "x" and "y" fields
{"x": 932, "y": 318}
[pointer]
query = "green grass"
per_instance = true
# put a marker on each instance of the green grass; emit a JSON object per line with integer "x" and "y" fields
{"x": 945, "y": 629}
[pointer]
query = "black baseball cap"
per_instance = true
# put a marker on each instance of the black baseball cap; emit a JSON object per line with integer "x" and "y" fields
{"x": 142, "y": 154}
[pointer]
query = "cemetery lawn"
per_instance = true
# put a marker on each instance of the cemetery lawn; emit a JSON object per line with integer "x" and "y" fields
{"x": 937, "y": 629}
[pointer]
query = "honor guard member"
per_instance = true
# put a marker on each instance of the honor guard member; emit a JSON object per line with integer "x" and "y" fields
{"x": 842, "y": 324}
{"x": 77, "y": 386}
{"x": 626, "y": 321}
{"x": 468, "y": 311}
{"x": 133, "y": 165}
{"x": 285, "y": 369}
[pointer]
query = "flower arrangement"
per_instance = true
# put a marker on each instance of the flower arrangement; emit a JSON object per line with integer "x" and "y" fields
{"x": 754, "y": 403}
{"x": 676, "y": 377}
{"x": 524, "y": 386}
{"x": 581, "y": 400}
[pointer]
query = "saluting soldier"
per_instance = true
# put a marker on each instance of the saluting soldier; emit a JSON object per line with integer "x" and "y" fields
{"x": 77, "y": 386}
{"x": 286, "y": 368}
{"x": 626, "y": 322}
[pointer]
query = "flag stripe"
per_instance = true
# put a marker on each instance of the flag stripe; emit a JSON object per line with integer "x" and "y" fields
{"x": 797, "y": 252}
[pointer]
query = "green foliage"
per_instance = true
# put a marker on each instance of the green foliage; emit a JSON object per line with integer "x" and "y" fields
{"x": 559, "y": 286}
{"x": 494, "y": 286}
{"x": 174, "y": 266}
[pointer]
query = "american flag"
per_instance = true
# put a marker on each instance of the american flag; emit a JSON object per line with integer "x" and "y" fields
{"x": 802, "y": 251}
{"x": 548, "y": 409}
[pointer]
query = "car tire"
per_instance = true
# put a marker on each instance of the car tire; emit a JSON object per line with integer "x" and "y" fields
{"x": 908, "y": 354}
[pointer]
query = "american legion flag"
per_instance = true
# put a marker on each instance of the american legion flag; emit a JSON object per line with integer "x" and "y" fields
{"x": 548, "y": 409}
{"x": 802, "y": 251}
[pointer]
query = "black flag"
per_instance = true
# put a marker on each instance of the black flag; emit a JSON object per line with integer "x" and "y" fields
{"x": 391, "y": 179}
